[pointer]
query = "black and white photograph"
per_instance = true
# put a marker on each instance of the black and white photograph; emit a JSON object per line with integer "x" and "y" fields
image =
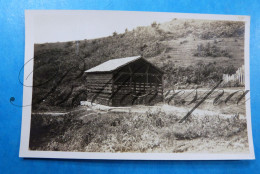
{"x": 136, "y": 85}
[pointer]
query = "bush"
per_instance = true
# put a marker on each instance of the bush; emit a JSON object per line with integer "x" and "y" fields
{"x": 128, "y": 132}
{"x": 211, "y": 50}
{"x": 154, "y": 24}
{"x": 183, "y": 42}
{"x": 209, "y": 127}
{"x": 115, "y": 33}
{"x": 199, "y": 74}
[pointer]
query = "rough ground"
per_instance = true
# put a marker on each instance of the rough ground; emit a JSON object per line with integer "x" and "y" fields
{"x": 141, "y": 129}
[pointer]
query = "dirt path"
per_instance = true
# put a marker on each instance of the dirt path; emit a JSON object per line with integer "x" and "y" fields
{"x": 50, "y": 113}
{"x": 168, "y": 109}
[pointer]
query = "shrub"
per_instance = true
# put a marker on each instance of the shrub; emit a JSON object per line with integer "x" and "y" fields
{"x": 154, "y": 24}
{"x": 209, "y": 127}
{"x": 127, "y": 132}
{"x": 114, "y": 33}
{"x": 68, "y": 44}
{"x": 211, "y": 50}
{"x": 183, "y": 42}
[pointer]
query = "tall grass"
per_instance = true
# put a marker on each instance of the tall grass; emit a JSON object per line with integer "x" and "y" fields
{"x": 153, "y": 131}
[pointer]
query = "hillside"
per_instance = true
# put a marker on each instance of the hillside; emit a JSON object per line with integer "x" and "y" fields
{"x": 188, "y": 51}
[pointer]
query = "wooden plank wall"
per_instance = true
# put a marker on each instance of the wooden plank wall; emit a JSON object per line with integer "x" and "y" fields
{"x": 127, "y": 86}
{"x": 138, "y": 93}
{"x": 99, "y": 88}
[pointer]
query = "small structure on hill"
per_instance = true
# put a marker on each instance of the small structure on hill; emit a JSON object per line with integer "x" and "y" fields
{"x": 125, "y": 81}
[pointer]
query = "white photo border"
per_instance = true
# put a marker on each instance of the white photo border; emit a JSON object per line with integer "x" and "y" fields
{"x": 27, "y": 97}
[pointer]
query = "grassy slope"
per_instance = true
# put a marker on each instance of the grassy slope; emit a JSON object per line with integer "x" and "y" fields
{"x": 177, "y": 39}
{"x": 172, "y": 43}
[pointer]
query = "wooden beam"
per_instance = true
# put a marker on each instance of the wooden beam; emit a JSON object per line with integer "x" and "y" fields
{"x": 147, "y": 76}
{"x": 158, "y": 79}
{"x": 162, "y": 89}
{"x": 144, "y": 74}
{"x": 130, "y": 69}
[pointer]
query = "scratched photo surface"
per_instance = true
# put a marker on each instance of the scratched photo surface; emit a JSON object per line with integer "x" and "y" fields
{"x": 175, "y": 86}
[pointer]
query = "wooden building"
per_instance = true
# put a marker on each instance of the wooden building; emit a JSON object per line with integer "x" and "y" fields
{"x": 125, "y": 81}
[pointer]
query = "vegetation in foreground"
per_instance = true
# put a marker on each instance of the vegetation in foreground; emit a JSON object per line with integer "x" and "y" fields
{"x": 132, "y": 132}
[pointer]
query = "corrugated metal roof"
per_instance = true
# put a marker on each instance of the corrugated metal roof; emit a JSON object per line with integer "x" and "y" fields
{"x": 113, "y": 64}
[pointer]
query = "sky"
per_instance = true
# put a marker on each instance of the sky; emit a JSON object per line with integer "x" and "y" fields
{"x": 79, "y": 25}
{"x": 68, "y": 25}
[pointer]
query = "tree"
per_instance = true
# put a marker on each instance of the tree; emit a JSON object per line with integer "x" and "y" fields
{"x": 154, "y": 24}
{"x": 114, "y": 33}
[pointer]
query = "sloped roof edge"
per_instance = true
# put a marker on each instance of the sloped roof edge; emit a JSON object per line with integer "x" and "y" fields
{"x": 113, "y": 64}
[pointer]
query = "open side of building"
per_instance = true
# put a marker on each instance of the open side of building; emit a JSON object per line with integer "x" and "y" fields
{"x": 124, "y": 82}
